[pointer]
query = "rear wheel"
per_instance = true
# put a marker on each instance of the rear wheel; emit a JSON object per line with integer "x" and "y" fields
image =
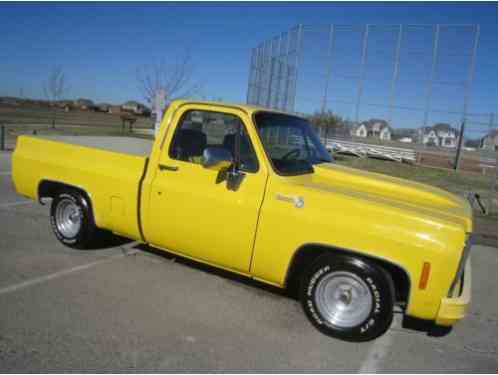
{"x": 72, "y": 220}
{"x": 348, "y": 298}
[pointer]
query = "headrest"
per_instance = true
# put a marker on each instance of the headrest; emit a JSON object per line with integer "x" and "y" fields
{"x": 229, "y": 142}
{"x": 191, "y": 142}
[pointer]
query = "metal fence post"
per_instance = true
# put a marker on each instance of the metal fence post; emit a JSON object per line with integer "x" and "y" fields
{"x": 395, "y": 76}
{"x": 252, "y": 73}
{"x": 470, "y": 78}
{"x": 492, "y": 191}
{"x": 428, "y": 97}
{"x": 362, "y": 73}
{"x": 328, "y": 65}
{"x": 458, "y": 155}
{"x": 270, "y": 79}
{"x": 2, "y": 137}
{"x": 287, "y": 73}
{"x": 299, "y": 42}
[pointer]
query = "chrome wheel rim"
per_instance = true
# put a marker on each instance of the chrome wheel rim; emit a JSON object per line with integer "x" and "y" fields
{"x": 343, "y": 299}
{"x": 68, "y": 218}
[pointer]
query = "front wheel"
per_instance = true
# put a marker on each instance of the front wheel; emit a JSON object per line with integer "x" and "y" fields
{"x": 71, "y": 218}
{"x": 348, "y": 298}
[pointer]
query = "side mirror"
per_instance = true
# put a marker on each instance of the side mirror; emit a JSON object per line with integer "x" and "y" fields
{"x": 216, "y": 158}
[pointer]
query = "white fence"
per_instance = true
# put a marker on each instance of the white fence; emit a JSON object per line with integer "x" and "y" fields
{"x": 368, "y": 150}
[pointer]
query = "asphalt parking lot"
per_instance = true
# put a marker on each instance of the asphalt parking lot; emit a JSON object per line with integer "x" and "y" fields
{"x": 125, "y": 308}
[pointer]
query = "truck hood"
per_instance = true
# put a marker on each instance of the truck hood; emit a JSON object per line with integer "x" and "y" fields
{"x": 386, "y": 190}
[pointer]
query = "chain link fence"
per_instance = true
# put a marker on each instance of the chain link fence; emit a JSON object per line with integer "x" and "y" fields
{"x": 396, "y": 92}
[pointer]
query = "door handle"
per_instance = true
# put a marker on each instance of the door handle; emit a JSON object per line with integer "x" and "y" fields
{"x": 297, "y": 201}
{"x": 164, "y": 167}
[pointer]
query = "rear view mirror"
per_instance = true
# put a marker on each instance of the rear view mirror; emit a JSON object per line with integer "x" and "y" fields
{"x": 216, "y": 158}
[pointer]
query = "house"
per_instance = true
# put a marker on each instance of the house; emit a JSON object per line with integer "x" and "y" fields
{"x": 115, "y": 109}
{"x": 66, "y": 105}
{"x": 135, "y": 108}
{"x": 8, "y": 100}
{"x": 404, "y": 135}
{"x": 490, "y": 141}
{"x": 440, "y": 134}
{"x": 374, "y": 128}
{"x": 103, "y": 107}
{"x": 84, "y": 104}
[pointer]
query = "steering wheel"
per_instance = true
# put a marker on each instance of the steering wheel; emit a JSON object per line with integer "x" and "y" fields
{"x": 295, "y": 152}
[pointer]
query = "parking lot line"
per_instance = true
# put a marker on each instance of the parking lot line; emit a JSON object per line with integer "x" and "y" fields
{"x": 19, "y": 203}
{"x": 376, "y": 354}
{"x": 55, "y": 275}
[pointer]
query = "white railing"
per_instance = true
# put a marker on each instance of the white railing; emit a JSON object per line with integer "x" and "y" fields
{"x": 369, "y": 150}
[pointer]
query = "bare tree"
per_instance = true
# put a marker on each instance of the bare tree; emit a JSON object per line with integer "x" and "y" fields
{"x": 174, "y": 80}
{"x": 54, "y": 88}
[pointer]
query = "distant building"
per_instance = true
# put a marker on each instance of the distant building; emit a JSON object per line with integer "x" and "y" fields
{"x": 115, "y": 109}
{"x": 84, "y": 104}
{"x": 374, "y": 128}
{"x": 490, "y": 141}
{"x": 66, "y": 105}
{"x": 103, "y": 107}
{"x": 135, "y": 108}
{"x": 8, "y": 100}
{"x": 442, "y": 135}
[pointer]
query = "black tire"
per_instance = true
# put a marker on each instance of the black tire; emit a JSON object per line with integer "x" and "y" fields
{"x": 374, "y": 306}
{"x": 87, "y": 233}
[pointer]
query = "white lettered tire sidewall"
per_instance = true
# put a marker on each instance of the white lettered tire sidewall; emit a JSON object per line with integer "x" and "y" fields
{"x": 380, "y": 286}
{"x": 86, "y": 234}
{"x": 53, "y": 223}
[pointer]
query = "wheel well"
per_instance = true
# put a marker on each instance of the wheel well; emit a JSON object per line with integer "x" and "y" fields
{"x": 306, "y": 255}
{"x": 48, "y": 189}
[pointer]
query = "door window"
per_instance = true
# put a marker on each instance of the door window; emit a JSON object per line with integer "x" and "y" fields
{"x": 200, "y": 129}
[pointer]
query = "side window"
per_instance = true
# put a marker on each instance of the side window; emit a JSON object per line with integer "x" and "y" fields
{"x": 200, "y": 129}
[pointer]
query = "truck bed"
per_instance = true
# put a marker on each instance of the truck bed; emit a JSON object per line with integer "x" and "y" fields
{"x": 107, "y": 169}
{"x": 127, "y": 145}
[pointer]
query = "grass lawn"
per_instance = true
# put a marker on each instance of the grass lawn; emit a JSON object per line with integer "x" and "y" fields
{"x": 19, "y": 115}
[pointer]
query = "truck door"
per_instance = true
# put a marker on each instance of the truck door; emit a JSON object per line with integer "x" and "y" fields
{"x": 192, "y": 211}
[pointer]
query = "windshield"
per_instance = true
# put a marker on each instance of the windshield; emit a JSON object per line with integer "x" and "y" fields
{"x": 290, "y": 143}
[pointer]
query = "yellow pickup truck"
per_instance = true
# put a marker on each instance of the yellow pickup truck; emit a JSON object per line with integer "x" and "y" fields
{"x": 253, "y": 191}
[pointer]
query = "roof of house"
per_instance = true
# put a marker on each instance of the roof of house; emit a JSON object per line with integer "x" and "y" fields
{"x": 443, "y": 127}
{"x": 133, "y": 103}
{"x": 82, "y": 101}
{"x": 438, "y": 127}
{"x": 492, "y": 134}
{"x": 375, "y": 124}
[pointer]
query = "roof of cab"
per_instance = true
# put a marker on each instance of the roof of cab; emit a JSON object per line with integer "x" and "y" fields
{"x": 250, "y": 109}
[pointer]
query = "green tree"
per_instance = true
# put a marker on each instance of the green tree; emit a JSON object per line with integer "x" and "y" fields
{"x": 328, "y": 124}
